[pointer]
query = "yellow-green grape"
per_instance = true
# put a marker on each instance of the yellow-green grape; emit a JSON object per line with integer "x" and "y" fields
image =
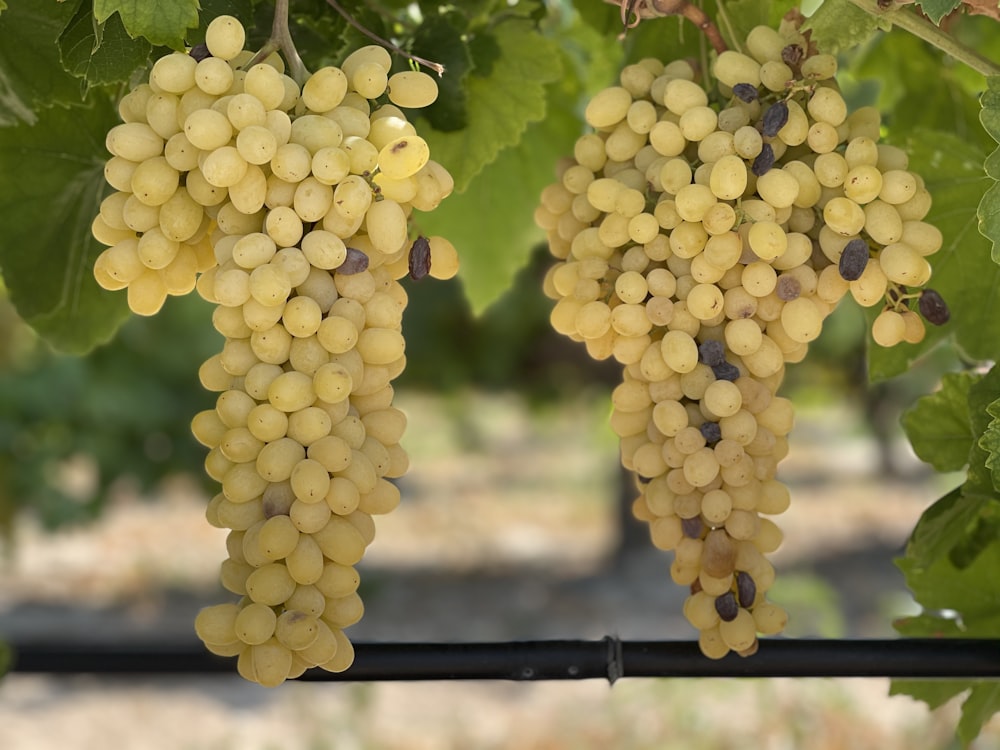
{"x": 444, "y": 258}
{"x": 255, "y": 623}
{"x": 278, "y": 197}
{"x": 216, "y": 624}
{"x": 889, "y": 328}
{"x": 296, "y": 630}
{"x": 701, "y": 237}
{"x": 412, "y": 89}
{"x": 403, "y": 157}
{"x": 225, "y": 37}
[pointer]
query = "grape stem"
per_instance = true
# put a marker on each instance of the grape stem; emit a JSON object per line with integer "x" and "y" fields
{"x": 282, "y": 37}
{"x": 634, "y": 11}
{"x": 436, "y": 67}
{"x": 921, "y": 27}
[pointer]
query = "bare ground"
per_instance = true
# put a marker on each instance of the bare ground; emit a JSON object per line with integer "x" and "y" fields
{"x": 506, "y": 532}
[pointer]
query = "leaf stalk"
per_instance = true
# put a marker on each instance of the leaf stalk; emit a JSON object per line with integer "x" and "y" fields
{"x": 923, "y": 28}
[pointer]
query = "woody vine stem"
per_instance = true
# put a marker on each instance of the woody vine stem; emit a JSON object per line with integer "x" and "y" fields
{"x": 281, "y": 39}
{"x": 634, "y": 11}
{"x": 921, "y": 27}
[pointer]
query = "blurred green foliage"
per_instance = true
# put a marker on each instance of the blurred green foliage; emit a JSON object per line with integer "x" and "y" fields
{"x": 126, "y": 408}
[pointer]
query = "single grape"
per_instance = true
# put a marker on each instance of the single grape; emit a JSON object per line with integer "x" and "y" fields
{"x": 727, "y": 606}
{"x": 692, "y": 527}
{"x": 355, "y": 262}
{"x": 726, "y": 371}
{"x": 774, "y": 119}
{"x": 711, "y": 432}
{"x": 792, "y": 55}
{"x": 199, "y": 52}
{"x": 853, "y": 260}
{"x": 745, "y": 92}
{"x": 788, "y": 288}
{"x": 746, "y": 589}
{"x": 764, "y": 160}
{"x": 420, "y": 258}
{"x": 933, "y": 307}
{"x": 711, "y": 353}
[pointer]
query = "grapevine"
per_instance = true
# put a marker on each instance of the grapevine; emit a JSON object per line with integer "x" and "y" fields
{"x": 702, "y": 232}
{"x": 286, "y": 201}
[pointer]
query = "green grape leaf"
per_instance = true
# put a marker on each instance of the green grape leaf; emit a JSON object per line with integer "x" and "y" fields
{"x": 935, "y": 693}
{"x": 503, "y": 97}
{"x": 938, "y": 425}
{"x": 989, "y": 442}
{"x": 162, "y": 22}
{"x": 982, "y": 394}
{"x": 929, "y": 626}
{"x": 937, "y": 9}
{"x": 967, "y": 595}
{"x": 31, "y": 75}
{"x": 982, "y": 703}
{"x": 441, "y": 38}
{"x": 989, "y": 219}
{"x": 989, "y": 206}
{"x": 917, "y": 89}
{"x": 983, "y": 699}
{"x": 48, "y": 201}
{"x": 840, "y": 25}
{"x": 491, "y": 223}
{"x": 943, "y": 526}
{"x": 100, "y": 53}
{"x": 603, "y": 18}
{"x": 983, "y": 533}
{"x": 964, "y": 273}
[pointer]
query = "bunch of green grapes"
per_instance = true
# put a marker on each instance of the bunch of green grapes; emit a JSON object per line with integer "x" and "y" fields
{"x": 702, "y": 237}
{"x": 298, "y": 200}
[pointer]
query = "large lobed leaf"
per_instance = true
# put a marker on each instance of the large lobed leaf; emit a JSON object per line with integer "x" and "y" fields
{"x": 937, "y": 9}
{"x": 162, "y": 22}
{"x": 31, "y": 75}
{"x": 841, "y": 25}
{"x": 503, "y": 96}
{"x": 989, "y": 442}
{"x": 51, "y": 185}
{"x": 953, "y": 554}
{"x": 502, "y": 159}
{"x": 969, "y": 593}
{"x": 492, "y": 223}
{"x": 989, "y": 206}
{"x": 938, "y": 425}
{"x": 100, "y": 53}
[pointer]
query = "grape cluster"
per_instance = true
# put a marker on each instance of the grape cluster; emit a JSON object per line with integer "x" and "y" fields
{"x": 701, "y": 239}
{"x": 296, "y": 204}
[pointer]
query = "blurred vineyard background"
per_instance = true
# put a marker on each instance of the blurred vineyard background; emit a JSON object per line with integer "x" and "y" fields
{"x": 513, "y": 526}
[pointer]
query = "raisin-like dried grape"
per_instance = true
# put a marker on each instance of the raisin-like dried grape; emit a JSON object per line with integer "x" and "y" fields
{"x": 745, "y": 92}
{"x": 853, "y": 260}
{"x": 933, "y": 307}
{"x": 774, "y": 119}
{"x": 355, "y": 262}
{"x": 420, "y": 258}
{"x": 727, "y": 607}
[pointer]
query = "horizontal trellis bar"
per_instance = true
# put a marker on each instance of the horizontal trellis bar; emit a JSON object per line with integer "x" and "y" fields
{"x": 609, "y": 659}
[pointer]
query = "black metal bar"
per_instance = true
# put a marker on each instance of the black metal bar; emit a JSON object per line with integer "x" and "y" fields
{"x": 607, "y": 659}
